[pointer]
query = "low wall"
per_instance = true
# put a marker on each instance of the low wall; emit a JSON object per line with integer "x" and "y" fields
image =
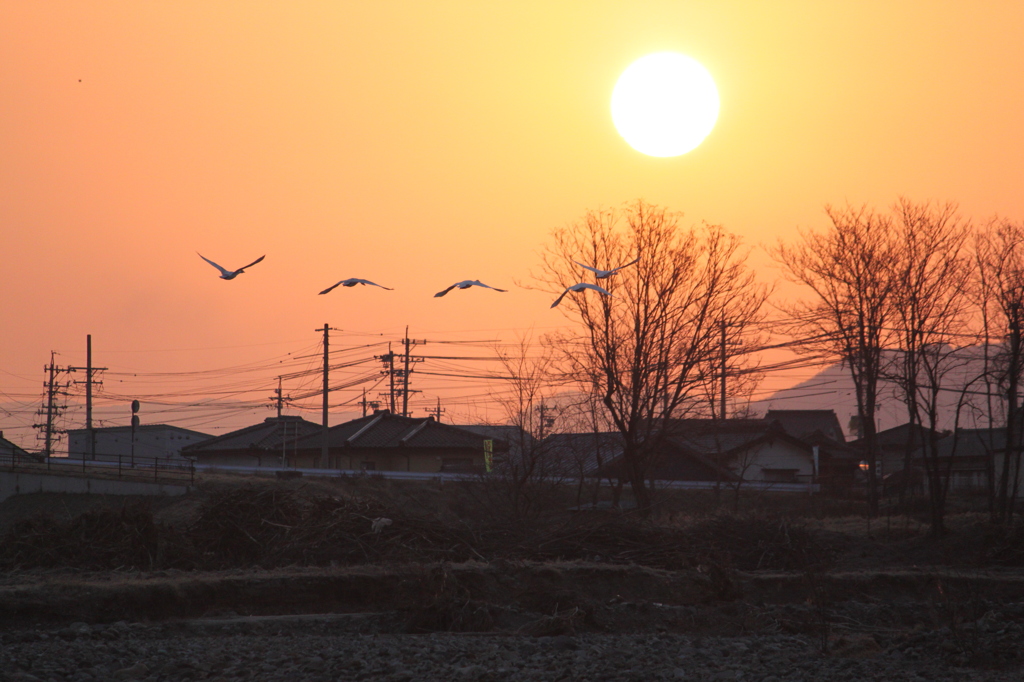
{"x": 19, "y": 483}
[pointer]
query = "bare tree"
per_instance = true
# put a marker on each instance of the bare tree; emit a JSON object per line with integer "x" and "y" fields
{"x": 1000, "y": 281}
{"x": 645, "y": 350}
{"x": 929, "y": 312}
{"x": 529, "y": 474}
{"x": 848, "y": 267}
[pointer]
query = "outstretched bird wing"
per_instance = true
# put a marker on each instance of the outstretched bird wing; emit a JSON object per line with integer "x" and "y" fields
{"x": 625, "y": 266}
{"x": 560, "y": 297}
{"x": 242, "y": 269}
{"x": 487, "y": 286}
{"x": 442, "y": 293}
{"x": 588, "y": 285}
{"x": 366, "y": 281}
{"x": 331, "y": 288}
{"x": 594, "y": 270}
{"x": 222, "y": 270}
{"x": 580, "y": 287}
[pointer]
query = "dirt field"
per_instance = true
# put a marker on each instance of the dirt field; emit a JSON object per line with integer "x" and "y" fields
{"x": 431, "y": 576}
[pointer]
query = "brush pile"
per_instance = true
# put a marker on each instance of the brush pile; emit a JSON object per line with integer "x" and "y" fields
{"x": 96, "y": 539}
{"x": 275, "y": 527}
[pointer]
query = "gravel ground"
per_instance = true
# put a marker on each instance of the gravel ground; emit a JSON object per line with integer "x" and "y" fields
{"x": 319, "y": 648}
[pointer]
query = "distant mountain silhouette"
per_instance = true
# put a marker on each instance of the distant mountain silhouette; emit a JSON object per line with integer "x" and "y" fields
{"x": 832, "y": 388}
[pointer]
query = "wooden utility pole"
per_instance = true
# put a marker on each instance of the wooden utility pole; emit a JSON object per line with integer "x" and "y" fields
{"x": 324, "y": 427}
{"x": 52, "y": 410}
{"x": 409, "y": 343}
{"x": 436, "y": 412}
{"x": 88, "y": 397}
{"x": 50, "y": 391}
{"x": 724, "y": 360}
{"x": 405, "y": 376}
{"x": 391, "y": 376}
{"x": 279, "y": 398}
{"x": 89, "y": 381}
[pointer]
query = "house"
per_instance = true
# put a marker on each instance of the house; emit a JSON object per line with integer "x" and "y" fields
{"x": 730, "y": 451}
{"x": 838, "y": 463}
{"x": 270, "y": 443}
{"x": 752, "y": 449}
{"x": 388, "y": 442}
{"x": 894, "y": 445}
{"x": 13, "y": 454}
{"x": 518, "y": 440}
{"x": 670, "y": 461}
{"x": 582, "y": 454}
{"x": 968, "y": 455}
{"x": 161, "y": 441}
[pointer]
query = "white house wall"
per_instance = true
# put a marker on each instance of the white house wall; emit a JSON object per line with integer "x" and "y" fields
{"x": 776, "y": 455}
{"x": 162, "y": 443}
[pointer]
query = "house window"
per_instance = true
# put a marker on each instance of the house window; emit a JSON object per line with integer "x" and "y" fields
{"x": 780, "y": 475}
{"x": 457, "y": 464}
{"x": 368, "y": 466}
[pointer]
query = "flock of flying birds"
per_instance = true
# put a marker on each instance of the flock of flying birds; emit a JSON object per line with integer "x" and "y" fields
{"x": 464, "y": 284}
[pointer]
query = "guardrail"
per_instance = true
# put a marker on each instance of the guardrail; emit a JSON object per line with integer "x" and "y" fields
{"x": 761, "y": 486}
{"x": 169, "y": 470}
{"x": 156, "y": 469}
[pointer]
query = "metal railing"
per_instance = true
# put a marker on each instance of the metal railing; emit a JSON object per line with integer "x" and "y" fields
{"x": 122, "y": 467}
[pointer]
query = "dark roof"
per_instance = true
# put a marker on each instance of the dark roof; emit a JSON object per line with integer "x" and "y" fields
{"x": 8, "y": 449}
{"x": 266, "y": 436}
{"x": 727, "y": 436}
{"x": 979, "y": 443}
{"x": 587, "y": 450}
{"x": 805, "y": 423}
{"x": 601, "y": 455}
{"x": 896, "y": 437}
{"x": 515, "y": 437}
{"x": 386, "y": 430}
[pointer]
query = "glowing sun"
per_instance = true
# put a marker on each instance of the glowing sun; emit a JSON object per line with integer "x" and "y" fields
{"x": 665, "y": 104}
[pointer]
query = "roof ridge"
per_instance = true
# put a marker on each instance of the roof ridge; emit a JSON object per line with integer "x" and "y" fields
{"x": 376, "y": 418}
{"x": 416, "y": 429}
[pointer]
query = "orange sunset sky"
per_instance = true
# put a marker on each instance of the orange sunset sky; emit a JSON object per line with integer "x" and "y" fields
{"x": 421, "y": 143}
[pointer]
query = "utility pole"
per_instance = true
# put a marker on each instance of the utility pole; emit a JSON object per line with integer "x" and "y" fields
{"x": 89, "y": 381}
{"x": 405, "y": 376}
{"x": 546, "y": 422}
{"x": 388, "y": 360}
{"x": 50, "y": 409}
{"x": 368, "y": 403}
{"x": 723, "y": 369}
{"x": 278, "y": 398}
{"x": 391, "y": 376}
{"x": 324, "y": 427}
{"x": 436, "y": 411}
{"x": 405, "y": 372}
{"x": 88, "y": 396}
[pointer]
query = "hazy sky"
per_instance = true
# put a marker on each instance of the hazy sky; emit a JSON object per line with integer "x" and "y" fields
{"x": 417, "y": 144}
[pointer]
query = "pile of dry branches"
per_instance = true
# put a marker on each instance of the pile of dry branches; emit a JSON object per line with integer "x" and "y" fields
{"x": 282, "y": 527}
{"x": 97, "y": 539}
{"x": 277, "y": 527}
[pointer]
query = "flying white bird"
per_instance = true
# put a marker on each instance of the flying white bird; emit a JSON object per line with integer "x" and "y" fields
{"x": 580, "y": 287}
{"x": 467, "y": 283}
{"x": 230, "y": 274}
{"x": 603, "y": 274}
{"x": 351, "y": 282}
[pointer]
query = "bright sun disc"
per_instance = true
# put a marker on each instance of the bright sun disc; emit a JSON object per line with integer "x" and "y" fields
{"x": 665, "y": 104}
